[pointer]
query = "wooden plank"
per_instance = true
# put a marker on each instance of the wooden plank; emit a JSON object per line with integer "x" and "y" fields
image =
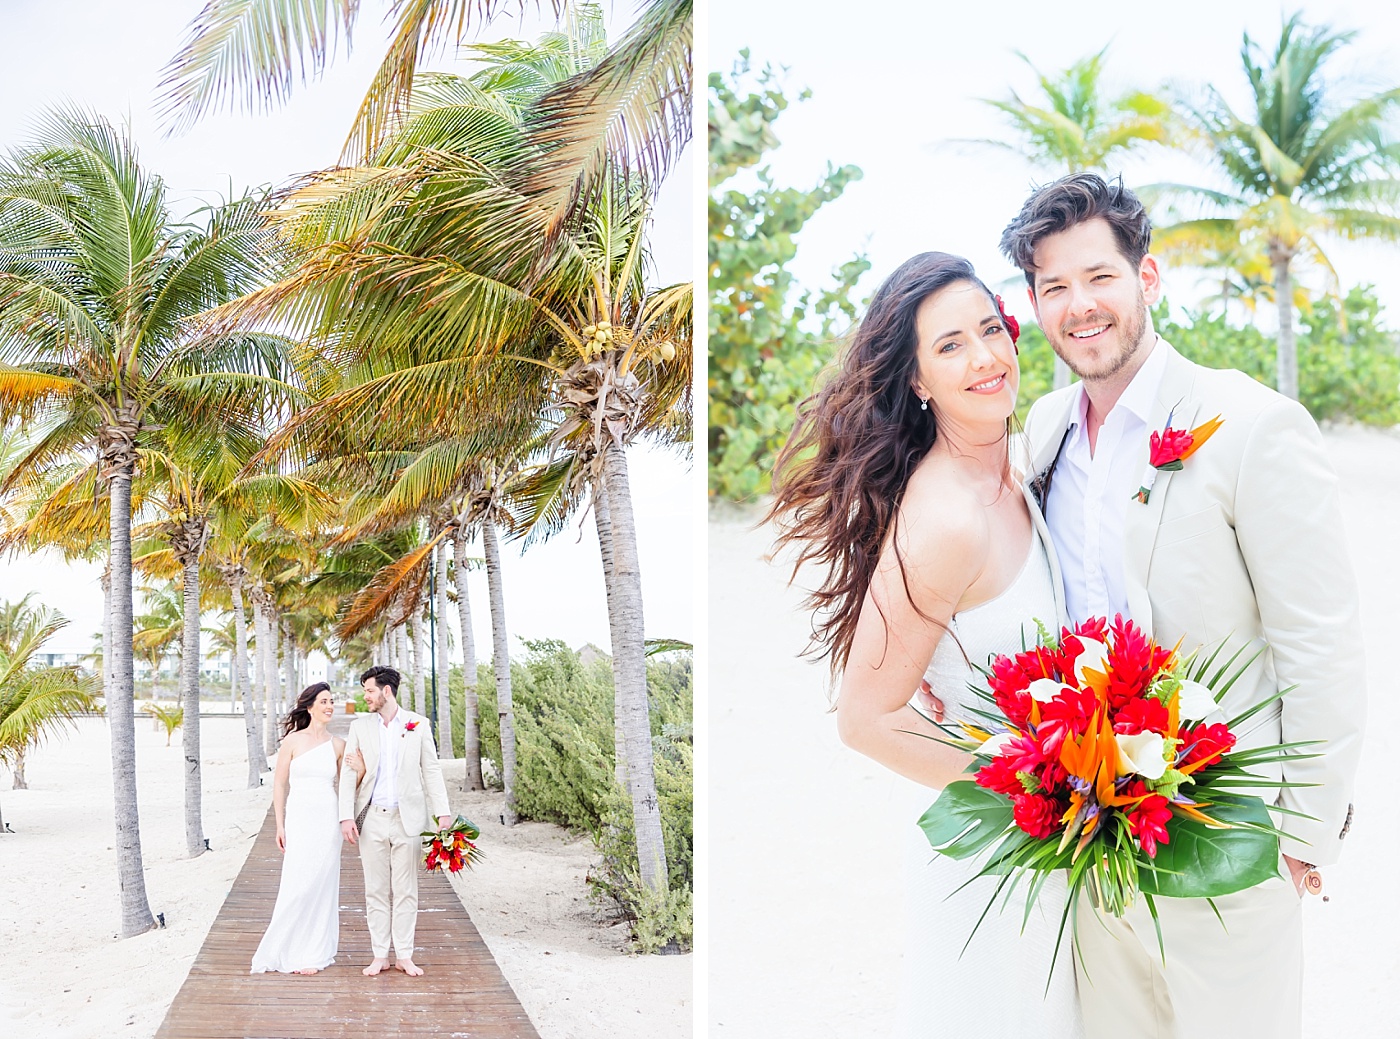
{"x": 462, "y": 994}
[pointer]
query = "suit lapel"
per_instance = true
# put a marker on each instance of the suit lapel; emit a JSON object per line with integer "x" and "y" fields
{"x": 1047, "y": 449}
{"x": 1174, "y": 404}
{"x": 1043, "y": 532}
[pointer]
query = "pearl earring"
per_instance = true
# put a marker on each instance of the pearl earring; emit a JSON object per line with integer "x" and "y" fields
{"x": 923, "y": 403}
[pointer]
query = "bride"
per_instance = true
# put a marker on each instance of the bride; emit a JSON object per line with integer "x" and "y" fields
{"x": 305, "y": 927}
{"x": 897, "y": 483}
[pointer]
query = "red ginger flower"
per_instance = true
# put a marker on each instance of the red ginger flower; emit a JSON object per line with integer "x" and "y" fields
{"x": 1036, "y": 814}
{"x": 1069, "y": 710}
{"x": 1168, "y": 446}
{"x": 999, "y": 775}
{"x": 1141, "y": 715}
{"x": 1147, "y": 819}
{"x": 1206, "y": 743}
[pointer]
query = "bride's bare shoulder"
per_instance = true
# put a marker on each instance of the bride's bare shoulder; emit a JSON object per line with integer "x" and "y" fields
{"x": 941, "y": 512}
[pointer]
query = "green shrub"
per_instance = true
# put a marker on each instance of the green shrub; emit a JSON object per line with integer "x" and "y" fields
{"x": 564, "y": 769}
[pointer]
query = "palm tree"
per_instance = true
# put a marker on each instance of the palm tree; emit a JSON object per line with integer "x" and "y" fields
{"x": 156, "y": 630}
{"x": 34, "y": 700}
{"x": 97, "y": 286}
{"x": 1074, "y": 126}
{"x": 1303, "y": 165}
{"x": 633, "y": 108}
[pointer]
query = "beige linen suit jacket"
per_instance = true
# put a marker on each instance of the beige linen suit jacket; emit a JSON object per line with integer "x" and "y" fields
{"x": 422, "y": 792}
{"x": 1245, "y": 545}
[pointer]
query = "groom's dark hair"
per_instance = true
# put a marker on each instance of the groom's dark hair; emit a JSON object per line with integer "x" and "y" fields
{"x": 382, "y": 676}
{"x": 1071, "y": 201}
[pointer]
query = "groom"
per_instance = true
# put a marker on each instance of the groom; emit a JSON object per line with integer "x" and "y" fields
{"x": 1243, "y": 544}
{"x": 402, "y": 781}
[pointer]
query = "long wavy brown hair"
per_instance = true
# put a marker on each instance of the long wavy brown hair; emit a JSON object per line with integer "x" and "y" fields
{"x": 839, "y": 481}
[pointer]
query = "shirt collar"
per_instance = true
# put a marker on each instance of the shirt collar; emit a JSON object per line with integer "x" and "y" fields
{"x": 1141, "y": 393}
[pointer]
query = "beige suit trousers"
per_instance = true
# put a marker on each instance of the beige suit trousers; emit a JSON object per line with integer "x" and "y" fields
{"x": 389, "y": 858}
{"x": 1243, "y": 979}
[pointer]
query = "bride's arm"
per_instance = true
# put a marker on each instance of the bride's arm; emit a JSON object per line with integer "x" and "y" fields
{"x": 280, "y": 781}
{"x": 901, "y": 622}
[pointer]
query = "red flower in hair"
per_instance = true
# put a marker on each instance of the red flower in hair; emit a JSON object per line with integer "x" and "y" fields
{"x": 1013, "y": 327}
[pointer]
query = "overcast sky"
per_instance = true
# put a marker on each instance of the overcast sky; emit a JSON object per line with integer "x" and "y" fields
{"x": 894, "y": 85}
{"x": 108, "y": 57}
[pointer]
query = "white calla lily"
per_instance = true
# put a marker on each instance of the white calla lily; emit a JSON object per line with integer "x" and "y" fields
{"x": 993, "y": 745}
{"x": 1044, "y": 690}
{"x": 1095, "y": 655}
{"x": 1195, "y": 701}
{"x": 1143, "y": 753}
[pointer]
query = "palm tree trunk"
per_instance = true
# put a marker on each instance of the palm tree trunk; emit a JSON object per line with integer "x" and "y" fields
{"x": 106, "y": 630}
{"x": 630, "y": 671}
{"x": 1287, "y": 345}
{"x": 289, "y": 665}
{"x": 602, "y": 519}
{"x": 121, "y": 711}
{"x": 266, "y": 672}
{"x": 17, "y": 770}
{"x": 256, "y": 761}
{"x": 500, "y": 665}
{"x": 444, "y": 700}
{"x": 471, "y": 747}
{"x": 189, "y": 697}
{"x": 420, "y": 661}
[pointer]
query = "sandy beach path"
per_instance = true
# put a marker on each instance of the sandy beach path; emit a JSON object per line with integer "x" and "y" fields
{"x": 462, "y": 991}
{"x": 68, "y": 976}
{"x": 806, "y": 836}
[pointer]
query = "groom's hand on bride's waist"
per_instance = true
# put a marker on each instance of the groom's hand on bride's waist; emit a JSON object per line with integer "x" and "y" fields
{"x": 350, "y": 831}
{"x": 931, "y": 704}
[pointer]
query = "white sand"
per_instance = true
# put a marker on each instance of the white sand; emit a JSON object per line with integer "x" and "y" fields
{"x": 67, "y": 976}
{"x": 805, "y": 852}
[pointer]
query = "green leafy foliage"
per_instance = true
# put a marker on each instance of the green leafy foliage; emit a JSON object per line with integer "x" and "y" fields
{"x": 1204, "y": 862}
{"x": 1348, "y": 362}
{"x": 768, "y": 339}
{"x": 564, "y": 770}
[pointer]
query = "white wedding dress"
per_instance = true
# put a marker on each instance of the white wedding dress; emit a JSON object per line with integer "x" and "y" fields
{"x": 305, "y": 927}
{"x": 997, "y": 987}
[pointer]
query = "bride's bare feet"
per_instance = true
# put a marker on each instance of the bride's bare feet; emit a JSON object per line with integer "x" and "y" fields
{"x": 409, "y": 967}
{"x": 308, "y": 970}
{"x": 376, "y": 967}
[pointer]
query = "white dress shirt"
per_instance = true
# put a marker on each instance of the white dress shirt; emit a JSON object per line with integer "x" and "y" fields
{"x": 386, "y": 782}
{"x": 1091, "y": 490}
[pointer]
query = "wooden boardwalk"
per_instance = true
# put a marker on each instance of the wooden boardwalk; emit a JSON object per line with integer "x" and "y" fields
{"x": 462, "y": 995}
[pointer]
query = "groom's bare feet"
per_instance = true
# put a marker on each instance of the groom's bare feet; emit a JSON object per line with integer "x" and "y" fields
{"x": 376, "y": 967}
{"x": 409, "y": 967}
{"x": 308, "y": 970}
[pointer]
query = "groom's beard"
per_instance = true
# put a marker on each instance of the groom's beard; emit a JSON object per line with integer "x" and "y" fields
{"x": 1130, "y": 333}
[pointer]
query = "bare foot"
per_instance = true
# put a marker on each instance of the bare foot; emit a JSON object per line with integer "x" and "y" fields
{"x": 308, "y": 970}
{"x": 375, "y": 967}
{"x": 409, "y": 967}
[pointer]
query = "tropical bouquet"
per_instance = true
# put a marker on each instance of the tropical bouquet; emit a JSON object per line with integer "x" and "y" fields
{"x": 452, "y": 846}
{"x": 1105, "y": 755}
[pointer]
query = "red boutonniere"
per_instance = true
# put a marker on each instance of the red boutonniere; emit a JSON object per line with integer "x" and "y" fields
{"x": 409, "y": 726}
{"x": 1169, "y": 449}
{"x": 1013, "y": 327}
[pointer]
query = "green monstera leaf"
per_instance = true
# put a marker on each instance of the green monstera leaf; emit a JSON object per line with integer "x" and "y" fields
{"x": 965, "y": 819}
{"x": 1205, "y": 862}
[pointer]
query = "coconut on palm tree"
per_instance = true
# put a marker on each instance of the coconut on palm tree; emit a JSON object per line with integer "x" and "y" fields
{"x": 1304, "y": 165}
